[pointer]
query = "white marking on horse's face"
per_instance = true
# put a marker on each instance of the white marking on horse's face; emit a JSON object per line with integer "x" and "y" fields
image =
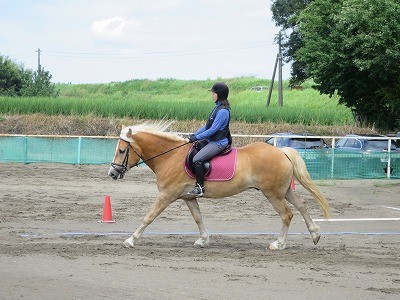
{"x": 112, "y": 173}
{"x": 120, "y": 151}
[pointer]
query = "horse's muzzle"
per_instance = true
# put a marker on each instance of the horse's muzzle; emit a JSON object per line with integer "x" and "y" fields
{"x": 116, "y": 172}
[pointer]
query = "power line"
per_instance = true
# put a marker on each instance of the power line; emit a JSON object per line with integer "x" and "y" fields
{"x": 152, "y": 54}
{"x": 21, "y": 54}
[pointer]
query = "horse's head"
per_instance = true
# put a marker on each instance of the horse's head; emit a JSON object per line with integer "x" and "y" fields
{"x": 124, "y": 159}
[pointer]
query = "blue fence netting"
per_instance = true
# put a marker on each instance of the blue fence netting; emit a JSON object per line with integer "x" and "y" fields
{"x": 334, "y": 164}
{"x": 69, "y": 150}
{"x": 325, "y": 163}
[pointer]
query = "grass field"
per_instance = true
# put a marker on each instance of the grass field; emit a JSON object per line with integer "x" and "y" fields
{"x": 184, "y": 100}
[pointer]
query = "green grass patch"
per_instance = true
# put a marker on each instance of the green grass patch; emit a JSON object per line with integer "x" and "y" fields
{"x": 184, "y": 100}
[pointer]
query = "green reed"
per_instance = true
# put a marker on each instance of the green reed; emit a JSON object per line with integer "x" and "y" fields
{"x": 183, "y": 100}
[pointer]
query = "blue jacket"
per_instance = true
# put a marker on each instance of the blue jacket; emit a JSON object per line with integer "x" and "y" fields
{"x": 220, "y": 122}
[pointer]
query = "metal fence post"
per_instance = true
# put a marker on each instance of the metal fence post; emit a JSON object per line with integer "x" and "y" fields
{"x": 25, "y": 149}
{"x": 388, "y": 162}
{"x": 79, "y": 149}
{"x": 333, "y": 157}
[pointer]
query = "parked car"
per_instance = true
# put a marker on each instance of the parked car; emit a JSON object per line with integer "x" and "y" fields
{"x": 367, "y": 155}
{"x": 368, "y": 143}
{"x": 314, "y": 151}
{"x": 259, "y": 88}
{"x": 297, "y": 141}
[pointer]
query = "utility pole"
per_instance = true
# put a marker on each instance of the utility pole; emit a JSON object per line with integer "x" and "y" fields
{"x": 38, "y": 60}
{"x": 272, "y": 81}
{"x": 278, "y": 62}
{"x": 280, "y": 83}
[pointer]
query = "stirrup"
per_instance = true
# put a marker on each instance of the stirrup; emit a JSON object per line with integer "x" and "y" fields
{"x": 197, "y": 191}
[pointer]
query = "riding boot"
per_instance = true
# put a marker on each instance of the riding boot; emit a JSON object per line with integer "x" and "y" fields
{"x": 199, "y": 188}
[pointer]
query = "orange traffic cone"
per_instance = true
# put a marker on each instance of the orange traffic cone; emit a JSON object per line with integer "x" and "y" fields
{"x": 292, "y": 186}
{"x": 107, "y": 213}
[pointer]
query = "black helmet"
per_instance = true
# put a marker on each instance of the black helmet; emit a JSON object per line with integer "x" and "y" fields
{"x": 221, "y": 89}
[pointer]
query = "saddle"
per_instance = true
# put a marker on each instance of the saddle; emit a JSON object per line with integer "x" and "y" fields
{"x": 221, "y": 167}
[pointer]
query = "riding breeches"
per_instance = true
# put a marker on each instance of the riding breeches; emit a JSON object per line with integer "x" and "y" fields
{"x": 208, "y": 152}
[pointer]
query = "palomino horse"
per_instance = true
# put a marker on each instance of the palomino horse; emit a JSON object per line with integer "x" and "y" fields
{"x": 259, "y": 165}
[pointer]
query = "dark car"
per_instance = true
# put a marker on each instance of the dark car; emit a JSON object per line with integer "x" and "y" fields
{"x": 314, "y": 151}
{"x": 296, "y": 141}
{"x": 368, "y": 156}
{"x": 371, "y": 143}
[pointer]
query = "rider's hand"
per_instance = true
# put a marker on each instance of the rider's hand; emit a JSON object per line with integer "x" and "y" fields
{"x": 192, "y": 138}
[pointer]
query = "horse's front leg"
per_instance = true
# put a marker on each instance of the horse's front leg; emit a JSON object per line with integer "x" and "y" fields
{"x": 159, "y": 205}
{"x": 194, "y": 208}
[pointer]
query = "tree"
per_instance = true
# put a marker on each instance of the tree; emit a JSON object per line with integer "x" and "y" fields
{"x": 16, "y": 81}
{"x": 11, "y": 77}
{"x": 39, "y": 84}
{"x": 285, "y": 13}
{"x": 352, "y": 48}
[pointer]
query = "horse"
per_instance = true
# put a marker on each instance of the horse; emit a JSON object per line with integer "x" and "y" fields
{"x": 258, "y": 165}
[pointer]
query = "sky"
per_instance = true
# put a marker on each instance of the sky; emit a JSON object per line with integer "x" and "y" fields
{"x": 99, "y": 41}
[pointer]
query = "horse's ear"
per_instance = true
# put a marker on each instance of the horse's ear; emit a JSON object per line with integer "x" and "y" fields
{"x": 129, "y": 133}
{"x": 122, "y": 126}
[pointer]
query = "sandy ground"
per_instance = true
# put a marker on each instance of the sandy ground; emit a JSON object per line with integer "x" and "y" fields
{"x": 44, "y": 207}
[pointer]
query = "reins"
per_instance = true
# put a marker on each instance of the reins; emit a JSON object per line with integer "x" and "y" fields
{"x": 146, "y": 160}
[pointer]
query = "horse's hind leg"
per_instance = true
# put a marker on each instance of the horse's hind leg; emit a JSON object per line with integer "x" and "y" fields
{"x": 280, "y": 206}
{"x": 301, "y": 206}
{"x": 194, "y": 208}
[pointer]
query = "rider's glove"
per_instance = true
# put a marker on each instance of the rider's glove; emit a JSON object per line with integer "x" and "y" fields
{"x": 192, "y": 138}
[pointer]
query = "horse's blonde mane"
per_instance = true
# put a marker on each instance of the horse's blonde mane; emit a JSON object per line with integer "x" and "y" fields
{"x": 156, "y": 128}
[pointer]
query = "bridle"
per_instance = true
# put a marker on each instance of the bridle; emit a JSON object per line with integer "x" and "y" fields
{"x": 122, "y": 168}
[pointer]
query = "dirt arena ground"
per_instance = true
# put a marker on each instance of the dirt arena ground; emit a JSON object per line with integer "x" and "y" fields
{"x": 52, "y": 247}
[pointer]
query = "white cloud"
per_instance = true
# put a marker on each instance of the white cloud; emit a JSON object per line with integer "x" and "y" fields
{"x": 114, "y": 29}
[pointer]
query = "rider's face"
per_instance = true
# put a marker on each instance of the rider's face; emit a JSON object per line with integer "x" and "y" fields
{"x": 214, "y": 96}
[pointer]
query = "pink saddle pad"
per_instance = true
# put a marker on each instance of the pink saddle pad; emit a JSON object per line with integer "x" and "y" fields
{"x": 222, "y": 167}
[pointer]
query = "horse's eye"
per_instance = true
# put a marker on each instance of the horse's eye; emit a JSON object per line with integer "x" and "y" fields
{"x": 121, "y": 151}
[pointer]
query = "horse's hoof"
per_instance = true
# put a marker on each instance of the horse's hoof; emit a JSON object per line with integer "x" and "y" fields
{"x": 316, "y": 239}
{"x": 201, "y": 243}
{"x": 277, "y": 245}
{"x": 128, "y": 243}
{"x": 314, "y": 230}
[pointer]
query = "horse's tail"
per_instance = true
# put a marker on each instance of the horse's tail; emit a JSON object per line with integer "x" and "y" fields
{"x": 302, "y": 175}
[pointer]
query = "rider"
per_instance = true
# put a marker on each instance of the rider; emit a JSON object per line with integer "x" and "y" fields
{"x": 215, "y": 132}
